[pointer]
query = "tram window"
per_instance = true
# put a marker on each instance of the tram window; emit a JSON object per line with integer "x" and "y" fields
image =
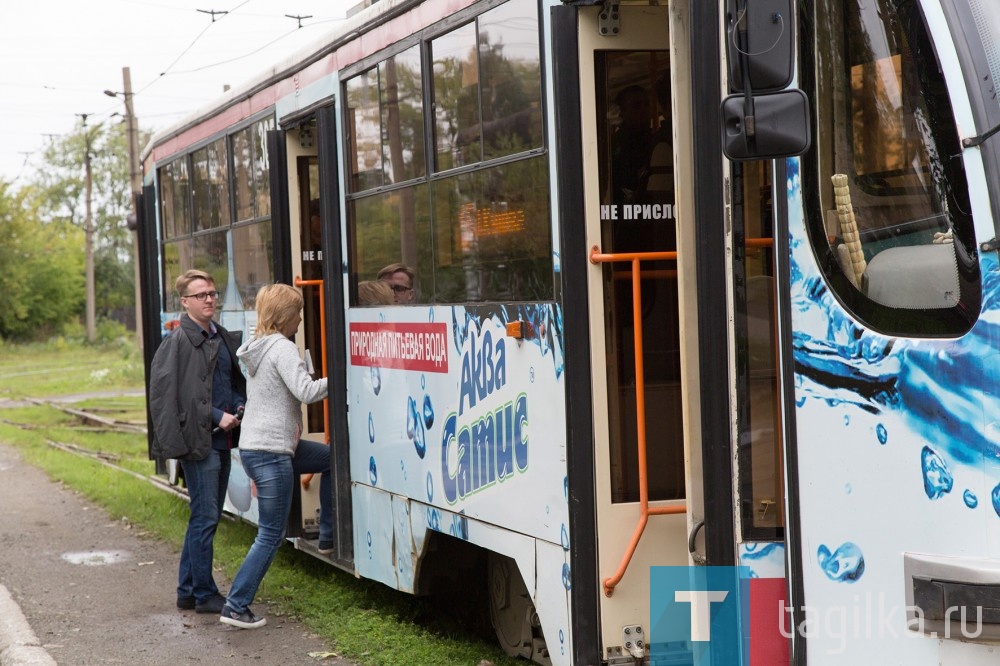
{"x": 392, "y": 227}
{"x": 251, "y": 172}
{"x": 456, "y": 98}
{"x": 253, "y": 259}
{"x": 174, "y": 209}
{"x": 175, "y": 256}
{"x": 210, "y": 184}
{"x": 386, "y": 122}
{"x": 634, "y": 125}
{"x": 491, "y": 234}
{"x": 889, "y": 205}
{"x": 510, "y": 80}
{"x": 487, "y": 87}
{"x": 212, "y": 256}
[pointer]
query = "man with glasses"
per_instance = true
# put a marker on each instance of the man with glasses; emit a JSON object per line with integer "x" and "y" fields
{"x": 196, "y": 397}
{"x": 400, "y": 279}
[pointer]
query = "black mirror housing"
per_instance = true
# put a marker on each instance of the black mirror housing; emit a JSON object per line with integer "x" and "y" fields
{"x": 780, "y": 126}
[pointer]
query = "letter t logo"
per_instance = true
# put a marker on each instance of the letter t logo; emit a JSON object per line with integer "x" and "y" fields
{"x": 701, "y": 605}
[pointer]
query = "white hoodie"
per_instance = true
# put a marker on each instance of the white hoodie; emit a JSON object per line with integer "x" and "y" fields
{"x": 277, "y": 384}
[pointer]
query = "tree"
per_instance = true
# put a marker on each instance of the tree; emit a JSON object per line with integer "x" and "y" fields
{"x": 59, "y": 190}
{"x": 41, "y": 270}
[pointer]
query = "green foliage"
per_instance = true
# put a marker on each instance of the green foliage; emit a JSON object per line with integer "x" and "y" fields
{"x": 41, "y": 270}
{"x": 47, "y": 218}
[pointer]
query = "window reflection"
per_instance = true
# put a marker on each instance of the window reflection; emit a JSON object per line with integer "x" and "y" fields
{"x": 207, "y": 247}
{"x": 402, "y": 116}
{"x": 174, "y": 188}
{"x": 211, "y": 186}
{"x": 476, "y": 236}
{"x": 492, "y": 235}
{"x": 253, "y": 260}
{"x": 456, "y": 98}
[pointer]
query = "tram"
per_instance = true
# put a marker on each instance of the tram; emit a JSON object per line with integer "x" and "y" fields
{"x": 694, "y": 361}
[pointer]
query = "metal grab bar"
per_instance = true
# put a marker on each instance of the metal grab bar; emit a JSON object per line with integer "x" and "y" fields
{"x": 299, "y": 282}
{"x": 645, "y": 511}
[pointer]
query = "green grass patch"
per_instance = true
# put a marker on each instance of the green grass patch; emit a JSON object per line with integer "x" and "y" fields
{"x": 362, "y": 620}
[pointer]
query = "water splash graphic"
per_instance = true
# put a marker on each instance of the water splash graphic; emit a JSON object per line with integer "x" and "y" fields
{"x": 937, "y": 479}
{"x": 844, "y": 565}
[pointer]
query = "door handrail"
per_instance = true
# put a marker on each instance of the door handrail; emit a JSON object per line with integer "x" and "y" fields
{"x": 299, "y": 282}
{"x": 645, "y": 511}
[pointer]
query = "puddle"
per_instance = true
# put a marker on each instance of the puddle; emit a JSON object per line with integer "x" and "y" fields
{"x": 96, "y": 558}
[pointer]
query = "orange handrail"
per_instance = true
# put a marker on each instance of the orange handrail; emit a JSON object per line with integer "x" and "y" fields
{"x": 299, "y": 282}
{"x": 645, "y": 511}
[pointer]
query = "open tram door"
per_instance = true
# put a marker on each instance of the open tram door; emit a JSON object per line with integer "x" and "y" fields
{"x": 673, "y": 385}
{"x": 307, "y": 145}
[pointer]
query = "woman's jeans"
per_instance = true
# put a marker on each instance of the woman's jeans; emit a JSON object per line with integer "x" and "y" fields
{"x": 274, "y": 476}
{"x": 207, "y": 481}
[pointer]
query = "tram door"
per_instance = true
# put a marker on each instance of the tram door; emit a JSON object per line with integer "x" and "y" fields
{"x": 307, "y": 265}
{"x": 641, "y": 369}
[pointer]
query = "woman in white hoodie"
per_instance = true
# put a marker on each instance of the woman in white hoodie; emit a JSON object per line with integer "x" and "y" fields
{"x": 270, "y": 449}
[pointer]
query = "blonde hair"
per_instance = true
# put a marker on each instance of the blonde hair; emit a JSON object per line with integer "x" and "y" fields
{"x": 185, "y": 279}
{"x": 374, "y": 292}
{"x": 277, "y": 304}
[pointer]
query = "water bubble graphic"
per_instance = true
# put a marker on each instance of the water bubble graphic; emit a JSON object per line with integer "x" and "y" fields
{"x": 415, "y": 427}
{"x": 376, "y": 379}
{"x": 567, "y": 580}
{"x": 428, "y": 413}
{"x": 847, "y": 419}
{"x": 937, "y": 479}
{"x": 372, "y": 471}
{"x": 371, "y": 428}
{"x": 564, "y": 537}
{"x": 996, "y": 499}
{"x": 970, "y": 499}
{"x": 430, "y": 487}
{"x": 845, "y": 565}
{"x": 848, "y": 489}
{"x": 882, "y": 434}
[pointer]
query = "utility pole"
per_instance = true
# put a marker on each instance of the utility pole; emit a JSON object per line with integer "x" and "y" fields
{"x": 135, "y": 182}
{"x": 135, "y": 178}
{"x": 88, "y": 235}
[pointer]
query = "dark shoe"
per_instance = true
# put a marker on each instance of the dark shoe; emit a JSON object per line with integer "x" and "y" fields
{"x": 325, "y": 547}
{"x": 213, "y": 604}
{"x": 185, "y": 603}
{"x": 246, "y": 620}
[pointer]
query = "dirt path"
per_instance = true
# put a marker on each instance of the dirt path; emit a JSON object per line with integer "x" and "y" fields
{"x": 95, "y": 592}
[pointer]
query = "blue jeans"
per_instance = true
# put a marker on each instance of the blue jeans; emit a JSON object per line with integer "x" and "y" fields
{"x": 274, "y": 476}
{"x": 207, "y": 481}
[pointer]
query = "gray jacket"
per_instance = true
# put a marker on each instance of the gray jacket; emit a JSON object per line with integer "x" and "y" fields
{"x": 180, "y": 391}
{"x": 277, "y": 385}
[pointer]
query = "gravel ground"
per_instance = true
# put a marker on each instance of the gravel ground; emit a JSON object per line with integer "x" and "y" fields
{"x": 95, "y": 592}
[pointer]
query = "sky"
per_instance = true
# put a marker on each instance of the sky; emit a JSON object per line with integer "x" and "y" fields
{"x": 57, "y": 57}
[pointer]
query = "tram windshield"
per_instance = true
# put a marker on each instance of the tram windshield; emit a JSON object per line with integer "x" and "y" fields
{"x": 888, "y": 204}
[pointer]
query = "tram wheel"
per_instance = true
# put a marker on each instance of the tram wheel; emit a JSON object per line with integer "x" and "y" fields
{"x": 512, "y": 612}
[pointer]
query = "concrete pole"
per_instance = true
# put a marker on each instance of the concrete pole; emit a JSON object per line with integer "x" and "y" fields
{"x": 88, "y": 235}
{"x": 135, "y": 180}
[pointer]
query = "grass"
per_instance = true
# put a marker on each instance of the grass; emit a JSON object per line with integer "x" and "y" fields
{"x": 364, "y": 621}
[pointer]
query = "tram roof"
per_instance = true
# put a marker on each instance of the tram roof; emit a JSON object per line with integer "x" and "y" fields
{"x": 377, "y": 13}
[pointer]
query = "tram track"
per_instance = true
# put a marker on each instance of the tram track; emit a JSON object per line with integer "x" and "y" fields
{"x": 93, "y": 422}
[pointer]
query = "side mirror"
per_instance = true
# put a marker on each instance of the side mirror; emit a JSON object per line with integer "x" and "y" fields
{"x": 778, "y": 126}
{"x": 759, "y": 42}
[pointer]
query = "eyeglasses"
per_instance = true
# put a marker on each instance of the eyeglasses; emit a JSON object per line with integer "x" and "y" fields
{"x": 214, "y": 295}
{"x": 399, "y": 289}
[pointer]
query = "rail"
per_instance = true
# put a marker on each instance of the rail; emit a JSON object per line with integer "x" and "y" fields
{"x": 299, "y": 282}
{"x": 645, "y": 511}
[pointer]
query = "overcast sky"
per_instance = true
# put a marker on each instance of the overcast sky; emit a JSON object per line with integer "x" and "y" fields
{"x": 58, "y": 56}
